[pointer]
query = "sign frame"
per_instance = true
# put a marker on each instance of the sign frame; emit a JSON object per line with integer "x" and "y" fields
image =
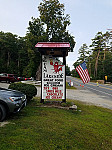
{"x": 54, "y": 49}
{"x": 53, "y": 78}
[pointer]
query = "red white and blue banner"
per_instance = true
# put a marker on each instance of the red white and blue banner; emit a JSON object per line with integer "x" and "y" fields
{"x": 83, "y": 72}
{"x": 53, "y": 78}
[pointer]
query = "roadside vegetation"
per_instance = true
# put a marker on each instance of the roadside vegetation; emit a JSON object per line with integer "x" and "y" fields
{"x": 98, "y": 57}
{"x": 43, "y": 128}
{"x": 28, "y": 89}
{"x": 18, "y": 55}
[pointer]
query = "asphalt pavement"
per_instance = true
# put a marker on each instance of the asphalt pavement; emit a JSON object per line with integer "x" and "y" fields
{"x": 100, "y": 95}
{"x": 104, "y": 90}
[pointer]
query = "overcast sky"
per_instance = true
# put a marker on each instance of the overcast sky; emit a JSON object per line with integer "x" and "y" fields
{"x": 87, "y": 18}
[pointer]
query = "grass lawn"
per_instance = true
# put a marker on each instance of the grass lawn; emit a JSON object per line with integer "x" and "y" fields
{"x": 39, "y": 128}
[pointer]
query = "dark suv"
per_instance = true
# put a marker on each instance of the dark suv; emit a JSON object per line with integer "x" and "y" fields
{"x": 11, "y": 101}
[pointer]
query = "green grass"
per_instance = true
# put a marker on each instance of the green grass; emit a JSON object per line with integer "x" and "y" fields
{"x": 39, "y": 128}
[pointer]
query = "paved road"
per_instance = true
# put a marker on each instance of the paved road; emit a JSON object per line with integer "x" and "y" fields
{"x": 102, "y": 90}
{"x": 90, "y": 93}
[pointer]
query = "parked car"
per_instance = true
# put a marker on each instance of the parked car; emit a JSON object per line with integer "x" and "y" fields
{"x": 8, "y": 77}
{"x": 11, "y": 101}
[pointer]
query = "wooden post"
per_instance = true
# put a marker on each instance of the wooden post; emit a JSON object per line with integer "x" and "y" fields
{"x": 64, "y": 62}
{"x": 42, "y": 100}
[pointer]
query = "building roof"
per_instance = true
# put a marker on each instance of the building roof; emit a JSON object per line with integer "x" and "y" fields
{"x": 52, "y": 45}
{"x": 57, "y": 49}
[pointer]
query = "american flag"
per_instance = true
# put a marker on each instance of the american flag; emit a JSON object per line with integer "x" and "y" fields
{"x": 83, "y": 72}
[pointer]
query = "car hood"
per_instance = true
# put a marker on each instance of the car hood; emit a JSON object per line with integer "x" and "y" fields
{"x": 9, "y": 92}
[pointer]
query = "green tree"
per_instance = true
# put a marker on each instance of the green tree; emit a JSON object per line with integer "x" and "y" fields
{"x": 29, "y": 70}
{"x": 13, "y": 53}
{"x": 53, "y": 17}
{"x": 97, "y": 46}
{"x": 51, "y": 26}
{"x": 2, "y": 52}
{"x": 98, "y": 57}
{"x": 83, "y": 52}
{"x": 23, "y": 59}
{"x": 34, "y": 34}
{"x": 8, "y": 52}
{"x": 74, "y": 72}
{"x": 107, "y": 66}
{"x": 68, "y": 73}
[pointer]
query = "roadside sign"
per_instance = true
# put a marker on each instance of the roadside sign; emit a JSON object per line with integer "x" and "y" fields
{"x": 53, "y": 71}
{"x": 53, "y": 78}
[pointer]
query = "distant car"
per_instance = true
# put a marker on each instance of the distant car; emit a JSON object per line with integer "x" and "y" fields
{"x": 8, "y": 77}
{"x": 28, "y": 79}
{"x": 21, "y": 78}
{"x": 11, "y": 101}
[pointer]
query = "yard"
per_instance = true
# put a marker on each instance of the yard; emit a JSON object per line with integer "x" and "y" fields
{"x": 43, "y": 128}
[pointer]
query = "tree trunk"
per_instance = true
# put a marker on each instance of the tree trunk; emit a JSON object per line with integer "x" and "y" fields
{"x": 38, "y": 73}
{"x": 96, "y": 65}
{"x": 104, "y": 58}
{"x": 8, "y": 60}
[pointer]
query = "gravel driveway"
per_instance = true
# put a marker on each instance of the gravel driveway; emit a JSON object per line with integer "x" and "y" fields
{"x": 4, "y": 85}
{"x": 85, "y": 96}
{"x": 80, "y": 94}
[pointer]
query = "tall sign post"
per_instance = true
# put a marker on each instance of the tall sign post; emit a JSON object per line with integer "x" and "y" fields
{"x": 53, "y": 71}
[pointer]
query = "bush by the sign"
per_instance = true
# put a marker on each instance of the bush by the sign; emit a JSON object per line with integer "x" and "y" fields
{"x": 28, "y": 89}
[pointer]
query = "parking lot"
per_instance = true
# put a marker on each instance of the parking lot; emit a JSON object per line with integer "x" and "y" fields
{"x": 4, "y": 85}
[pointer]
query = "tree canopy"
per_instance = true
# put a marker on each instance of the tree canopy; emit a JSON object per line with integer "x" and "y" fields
{"x": 98, "y": 56}
{"x": 18, "y": 54}
{"x": 51, "y": 26}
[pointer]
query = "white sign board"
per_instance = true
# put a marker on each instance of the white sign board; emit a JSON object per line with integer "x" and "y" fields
{"x": 53, "y": 78}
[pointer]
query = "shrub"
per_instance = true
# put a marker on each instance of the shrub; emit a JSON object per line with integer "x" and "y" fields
{"x": 28, "y": 89}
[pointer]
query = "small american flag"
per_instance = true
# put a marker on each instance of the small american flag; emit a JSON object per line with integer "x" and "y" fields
{"x": 83, "y": 72}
